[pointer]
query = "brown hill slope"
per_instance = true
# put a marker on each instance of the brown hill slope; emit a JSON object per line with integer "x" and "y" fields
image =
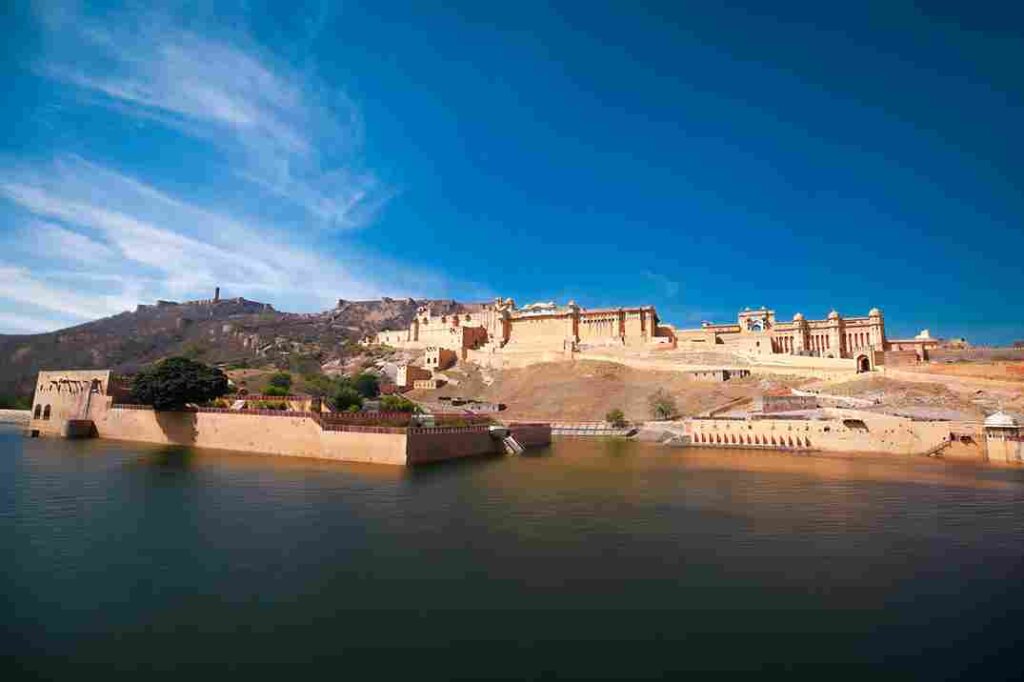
{"x": 229, "y": 331}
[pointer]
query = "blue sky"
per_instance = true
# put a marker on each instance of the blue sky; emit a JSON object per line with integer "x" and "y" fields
{"x": 702, "y": 157}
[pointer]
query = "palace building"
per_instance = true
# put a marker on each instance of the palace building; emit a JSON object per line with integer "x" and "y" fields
{"x": 863, "y": 339}
{"x": 536, "y": 327}
{"x": 483, "y": 330}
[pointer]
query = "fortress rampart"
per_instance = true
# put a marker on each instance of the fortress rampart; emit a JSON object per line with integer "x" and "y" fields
{"x": 66, "y": 402}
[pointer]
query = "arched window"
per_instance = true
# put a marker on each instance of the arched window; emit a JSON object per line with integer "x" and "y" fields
{"x": 38, "y": 411}
{"x": 46, "y": 412}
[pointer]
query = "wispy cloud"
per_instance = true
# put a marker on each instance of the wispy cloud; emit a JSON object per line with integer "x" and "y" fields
{"x": 48, "y": 238}
{"x": 666, "y": 286}
{"x": 92, "y": 239}
{"x": 281, "y": 129}
{"x": 20, "y": 323}
{"x": 166, "y": 246}
{"x": 109, "y": 241}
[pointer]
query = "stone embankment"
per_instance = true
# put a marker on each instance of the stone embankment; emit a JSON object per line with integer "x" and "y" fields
{"x": 15, "y": 416}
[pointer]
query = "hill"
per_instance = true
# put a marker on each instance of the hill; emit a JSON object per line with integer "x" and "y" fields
{"x": 236, "y": 332}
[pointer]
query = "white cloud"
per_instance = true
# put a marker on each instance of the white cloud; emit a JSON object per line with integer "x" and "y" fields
{"x": 19, "y": 285}
{"x": 185, "y": 248}
{"x": 94, "y": 240}
{"x": 274, "y": 123}
{"x": 144, "y": 244}
{"x": 50, "y": 239}
{"x": 18, "y": 323}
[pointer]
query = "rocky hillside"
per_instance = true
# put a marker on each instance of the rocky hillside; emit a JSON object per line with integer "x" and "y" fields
{"x": 236, "y": 331}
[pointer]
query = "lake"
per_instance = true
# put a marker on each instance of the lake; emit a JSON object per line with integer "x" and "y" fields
{"x": 588, "y": 559}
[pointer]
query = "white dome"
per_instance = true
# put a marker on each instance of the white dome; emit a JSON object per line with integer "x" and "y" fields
{"x": 798, "y": 317}
{"x": 875, "y": 312}
{"x": 1000, "y": 420}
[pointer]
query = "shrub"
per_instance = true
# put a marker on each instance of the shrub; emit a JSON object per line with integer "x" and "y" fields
{"x": 171, "y": 383}
{"x": 20, "y": 402}
{"x": 368, "y": 385}
{"x": 319, "y": 385}
{"x": 616, "y": 418}
{"x": 662, "y": 404}
{"x": 275, "y": 391}
{"x": 397, "y": 403}
{"x": 268, "y": 405}
{"x": 282, "y": 380}
{"x": 346, "y": 397}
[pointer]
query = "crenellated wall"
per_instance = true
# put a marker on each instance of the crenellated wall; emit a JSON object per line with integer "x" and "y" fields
{"x": 290, "y": 434}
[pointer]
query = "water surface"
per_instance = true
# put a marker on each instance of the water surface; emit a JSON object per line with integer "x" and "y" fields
{"x": 587, "y": 559}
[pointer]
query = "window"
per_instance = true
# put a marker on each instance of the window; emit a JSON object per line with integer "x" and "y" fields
{"x": 38, "y": 411}
{"x": 46, "y": 412}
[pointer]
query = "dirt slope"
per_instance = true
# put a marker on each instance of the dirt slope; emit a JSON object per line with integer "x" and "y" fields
{"x": 587, "y": 390}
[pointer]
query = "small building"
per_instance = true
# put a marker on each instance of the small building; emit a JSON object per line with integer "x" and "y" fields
{"x": 717, "y": 376}
{"x": 407, "y": 375}
{"x": 428, "y": 384}
{"x": 437, "y": 358}
{"x": 1003, "y": 439}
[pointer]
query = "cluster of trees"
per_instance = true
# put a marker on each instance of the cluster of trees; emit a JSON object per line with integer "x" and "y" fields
{"x": 344, "y": 393}
{"x": 173, "y": 383}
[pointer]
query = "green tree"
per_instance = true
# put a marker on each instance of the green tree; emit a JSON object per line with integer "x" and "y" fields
{"x": 367, "y": 384}
{"x": 171, "y": 383}
{"x": 616, "y": 418}
{"x": 15, "y": 402}
{"x": 662, "y": 404}
{"x": 281, "y": 380}
{"x": 345, "y": 397}
{"x": 275, "y": 391}
{"x": 319, "y": 385}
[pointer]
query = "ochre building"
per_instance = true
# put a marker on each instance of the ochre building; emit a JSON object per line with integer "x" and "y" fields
{"x": 759, "y": 333}
{"x": 540, "y": 327}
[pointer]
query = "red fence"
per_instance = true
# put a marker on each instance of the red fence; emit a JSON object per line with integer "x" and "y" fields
{"x": 366, "y": 418}
{"x": 357, "y": 422}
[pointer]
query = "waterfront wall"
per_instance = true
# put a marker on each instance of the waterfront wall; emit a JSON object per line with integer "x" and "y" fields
{"x": 433, "y": 445}
{"x": 849, "y": 433}
{"x": 531, "y": 435}
{"x": 288, "y": 434}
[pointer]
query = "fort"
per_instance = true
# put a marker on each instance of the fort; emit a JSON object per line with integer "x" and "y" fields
{"x": 500, "y": 334}
{"x": 543, "y": 327}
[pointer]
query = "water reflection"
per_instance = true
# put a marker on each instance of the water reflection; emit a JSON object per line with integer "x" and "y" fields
{"x": 591, "y": 558}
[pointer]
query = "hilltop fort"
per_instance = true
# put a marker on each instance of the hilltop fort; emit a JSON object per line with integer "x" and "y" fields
{"x": 500, "y": 334}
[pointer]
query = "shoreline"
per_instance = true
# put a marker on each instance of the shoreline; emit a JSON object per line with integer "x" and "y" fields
{"x": 15, "y": 416}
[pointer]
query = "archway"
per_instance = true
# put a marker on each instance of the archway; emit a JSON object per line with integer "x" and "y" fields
{"x": 863, "y": 364}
